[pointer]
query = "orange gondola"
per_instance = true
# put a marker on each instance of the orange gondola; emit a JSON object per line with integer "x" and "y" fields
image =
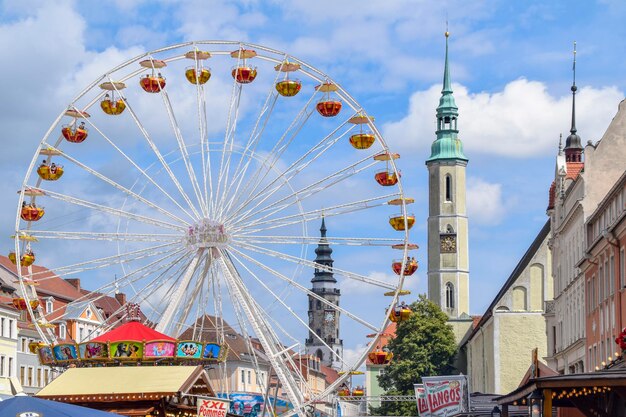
{"x": 329, "y": 108}
{"x": 197, "y": 76}
{"x": 288, "y": 88}
{"x": 386, "y": 178}
{"x": 400, "y": 313}
{"x": 21, "y": 303}
{"x": 344, "y": 392}
{"x": 50, "y": 172}
{"x": 409, "y": 268}
{"x": 31, "y": 213}
{"x": 358, "y": 392}
{"x": 75, "y": 134}
{"x": 362, "y": 140}
{"x": 152, "y": 83}
{"x": 114, "y": 107}
{"x": 380, "y": 357}
{"x": 244, "y": 75}
{"x": 26, "y": 260}
{"x": 397, "y": 222}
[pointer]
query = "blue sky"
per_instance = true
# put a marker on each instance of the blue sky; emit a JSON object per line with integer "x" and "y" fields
{"x": 511, "y": 66}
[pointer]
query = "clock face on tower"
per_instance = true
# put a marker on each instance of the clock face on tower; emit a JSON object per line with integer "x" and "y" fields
{"x": 448, "y": 243}
{"x": 329, "y": 317}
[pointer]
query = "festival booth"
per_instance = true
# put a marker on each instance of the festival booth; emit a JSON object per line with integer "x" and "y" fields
{"x": 146, "y": 391}
{"x": 599, "y": 394}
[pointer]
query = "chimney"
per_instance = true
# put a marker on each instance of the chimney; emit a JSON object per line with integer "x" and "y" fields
{"x": 74, "y": 282}
{"x": 121, "y": 298}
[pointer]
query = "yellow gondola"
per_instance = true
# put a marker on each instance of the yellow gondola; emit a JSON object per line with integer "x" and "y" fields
{"x": 25, "y": 260}
{"x": 397, "y": 222}
{"x": 197, "y": 76}
{"x": 31, "y": 213}
{"x": 50, "y": 172}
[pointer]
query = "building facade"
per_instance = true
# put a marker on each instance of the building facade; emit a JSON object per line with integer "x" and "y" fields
{"x": 448, "y": 249}
{"x": 605, "y": 276}
{"x": 9, "y": 316}
{"x": 324, "y": 340}
{"x": 498, "y": 349}
{"x": 579, "y": 189}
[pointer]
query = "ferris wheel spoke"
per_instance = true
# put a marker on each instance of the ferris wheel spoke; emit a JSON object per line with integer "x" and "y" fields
{"x": 109, "y": 210}
{"x": 125, "y": 237}
{"x": 336, "y": 210}
{"x": 183, "y": 150}
{"x": 127, "y": 279}
{"x": 307, "y": 191}
{"x": 161, "y": 159}
{"x": 286, "y": 307}
{"x": 306, "y": 290}
{"x": 138, "y": 168}
{"x": 200, "y": 280}
{"x": 97, "y": 263}
{"x": 305, "y": 262}
{"x": 253, "y": 140}
{"x": 118, "y": 186}
{"x": 294, "y": 169}
{"x": 278, "y": 358}
{"x": 272, "y": 157}
{"x": 178, "y": 293}
{"x": 229, "y": 138}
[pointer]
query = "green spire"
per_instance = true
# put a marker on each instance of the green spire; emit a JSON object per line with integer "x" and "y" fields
{"x": 447, "y": 146}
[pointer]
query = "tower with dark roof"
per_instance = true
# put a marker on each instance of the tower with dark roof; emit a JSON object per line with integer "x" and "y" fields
{"x": 573, "y": 146}
{"x": 324, "y": 319}
{"x": 448, "y": 252}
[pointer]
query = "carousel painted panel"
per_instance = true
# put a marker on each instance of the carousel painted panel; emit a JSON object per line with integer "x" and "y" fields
{"x": 159, "y": 349}
{"x": 46, "y": 356}
{"x": 126, "y": 350}
{"x": 213, "y": 351}
{"x": 188, "y": 349}
{"x": 65, "y": 352}
{"x": 93, "y": 351}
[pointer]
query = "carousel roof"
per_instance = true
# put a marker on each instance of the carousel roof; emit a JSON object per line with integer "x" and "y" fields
{"x": 133, "y": 330}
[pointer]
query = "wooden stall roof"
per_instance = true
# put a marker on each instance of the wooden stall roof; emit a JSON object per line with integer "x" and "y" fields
{"x": 120, "y": 380}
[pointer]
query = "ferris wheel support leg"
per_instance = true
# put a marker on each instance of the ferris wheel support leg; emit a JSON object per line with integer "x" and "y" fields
{"x": 177, "y": 297}
{"x": 263, "y": 331}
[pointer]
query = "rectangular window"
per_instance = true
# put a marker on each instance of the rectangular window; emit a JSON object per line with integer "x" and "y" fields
{"x": 46, "y": 377}
{"x": 22, "y": 374}
{"x": 612, "y": 274}
{"x": 622, "y": 268}
{"x": 62, "y": 331}
{"x": 2, "y": 365}
{"x": 22, "y": 346}
{"x": 30, "y": 376}
{"x": 10, "y": 370}
{"x": 2, "y": 325}
{"x": 249, "y": 379}
{"x": 243, "y": 377}
{"x": 80, "y": 334}
{"x": 10, "y": 329}
{"x": 593, "y": 292}
{"x": 39, "y": 381}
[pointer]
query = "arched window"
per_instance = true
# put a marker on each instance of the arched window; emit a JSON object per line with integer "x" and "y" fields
{"x": 449, "y": 296}
{"x": 319, "y": 354}
{"x": 448, "y": 188}
{"x": 319, "y": 305}
{"x": 449, "y": 229}
{"x": 519, "y": 299}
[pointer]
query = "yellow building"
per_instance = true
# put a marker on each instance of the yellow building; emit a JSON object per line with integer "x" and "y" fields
{"x": 9, "y": 384}
{"x": 498, "y": 349}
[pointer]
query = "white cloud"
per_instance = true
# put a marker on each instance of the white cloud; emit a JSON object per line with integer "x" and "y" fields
{"x": 485, "y": 204}
{"x": 522, "y": 120}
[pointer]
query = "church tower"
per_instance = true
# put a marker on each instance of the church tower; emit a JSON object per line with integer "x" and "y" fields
{"x": 324, "y": 320}
{"x": 448, "y": 252}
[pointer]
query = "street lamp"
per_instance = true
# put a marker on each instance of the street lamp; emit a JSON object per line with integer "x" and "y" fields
{"x": 496, "y": 412}
{"x": 534, "y": 404}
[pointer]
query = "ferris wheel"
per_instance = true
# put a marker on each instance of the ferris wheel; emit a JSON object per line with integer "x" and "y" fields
{"x": 199, "y": 189}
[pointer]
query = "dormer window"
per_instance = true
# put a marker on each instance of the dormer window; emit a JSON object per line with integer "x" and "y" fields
{"x": 49, "y": 305}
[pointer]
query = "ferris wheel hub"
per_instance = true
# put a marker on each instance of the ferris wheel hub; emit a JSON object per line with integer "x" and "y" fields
{"x": 206, "y": 233}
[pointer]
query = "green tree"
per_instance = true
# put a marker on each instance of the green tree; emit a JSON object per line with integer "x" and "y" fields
{"x": 424, "y": 345}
